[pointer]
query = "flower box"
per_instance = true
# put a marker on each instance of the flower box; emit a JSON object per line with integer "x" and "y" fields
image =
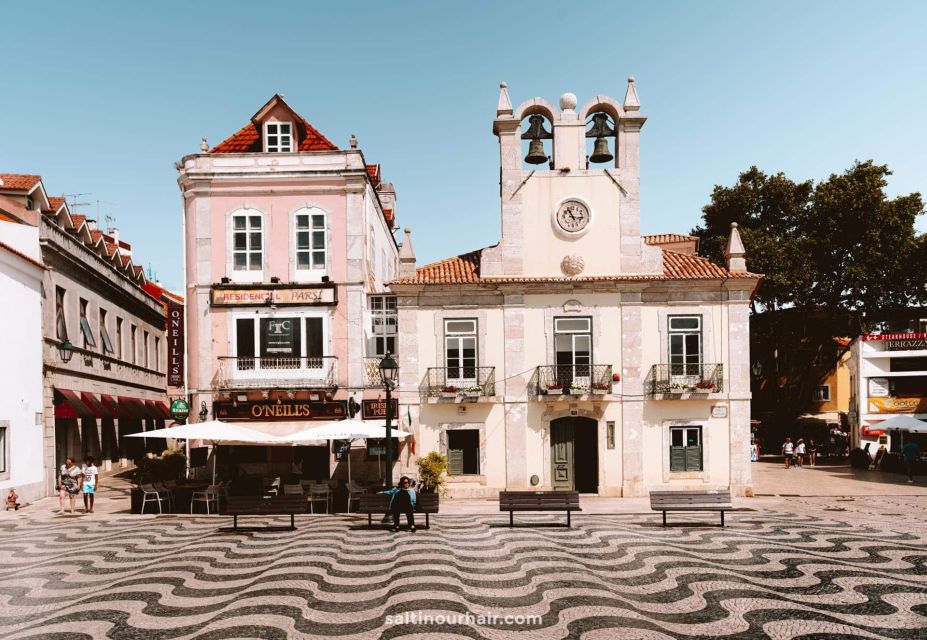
{"x": 448, "y": 394}
{"x": 473, "y": 394}
{"x": 600, "y": 389}
{"x": 554, "y": 391}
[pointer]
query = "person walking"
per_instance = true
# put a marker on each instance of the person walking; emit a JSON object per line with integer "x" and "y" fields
{"x": 909, "y": 455}
{"x": 68, "y": 482}
{"x": 89, "y": 471}
{"x": 787, "y": 450}
{"x": 799, "y": 453}
{"x": 812, "y": 452}
{"x": 402, "y": 500}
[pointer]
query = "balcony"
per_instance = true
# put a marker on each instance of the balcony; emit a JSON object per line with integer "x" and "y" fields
{"x": 459, "y": 382}
{"x": 694, "y": 381}
{"x": 276, "y": 373}
{"x": 372, "y": 372}
{"x": 566, "y": 380}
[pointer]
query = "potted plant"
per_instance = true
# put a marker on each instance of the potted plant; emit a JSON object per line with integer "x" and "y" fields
{"x": 677, "y": 387}
{"x": 600, "y": 387}
{"x": 555, "y": 389}
{"x": 474, "y": 391}
{"x": 432, "y": 470}
{"x": 705, "y": 386}
{"x": 577, "y": 389}
{"x": 450, "y": 391}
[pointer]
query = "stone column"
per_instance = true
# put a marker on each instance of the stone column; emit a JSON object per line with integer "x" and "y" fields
{"x": 629, "y": 176}
{"x": 738, "y": 374}
{"x": 355, "y": 301}
{"x": 516, "y": 407}
{"x": 632, "y": 405}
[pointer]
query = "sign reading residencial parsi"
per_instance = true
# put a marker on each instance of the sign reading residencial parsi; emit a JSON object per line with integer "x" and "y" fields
{"x": 242, "y": 296}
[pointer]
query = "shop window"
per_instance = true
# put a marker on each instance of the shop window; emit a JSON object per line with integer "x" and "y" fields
{"x": 685, "y": 346}
{"x": 247, "y": 242}
{"x": 311, "y": 242}
{"x": 61, "y": 325}
{"x": 463, "y": 452}
{"x": 384, "y": 326}
{"x": 278, "y": 137}
{"x": 87, "y": 340}
{"x": 685, "y": 449}
{"x": 822, "y": 393}
{"x": 460, "y": 350}
{"x": 104, "y": 334}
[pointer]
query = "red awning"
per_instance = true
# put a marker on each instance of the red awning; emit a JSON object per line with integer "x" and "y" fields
{"x": 157, "y": 410}
{"x": 111, "y": 405}
{"x": 132, "y": 408}
{"x": 69, "y": 405}
{"x": 99, "y": 409}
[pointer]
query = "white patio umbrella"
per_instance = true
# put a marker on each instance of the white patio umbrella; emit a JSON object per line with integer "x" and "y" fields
{"x": 351, "y": 429}
{"x": 902, "y": 422}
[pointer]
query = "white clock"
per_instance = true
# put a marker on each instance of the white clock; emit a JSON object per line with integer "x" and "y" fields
{"x": 572, "y": 216}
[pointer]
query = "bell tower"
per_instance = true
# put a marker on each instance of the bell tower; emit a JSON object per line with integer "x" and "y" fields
{"x": 570, "y": 189}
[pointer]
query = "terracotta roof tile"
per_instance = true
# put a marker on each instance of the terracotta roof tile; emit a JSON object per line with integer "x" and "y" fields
{"x": 248, "y": 140}
{"x": 137, "y": 270}
{"x": 77, "y": 220}
{"x": 461, "y": 269}
{"x": 667, "y": 238}
{"x": 7, "y": 217}
{"x": 19, "y": 181}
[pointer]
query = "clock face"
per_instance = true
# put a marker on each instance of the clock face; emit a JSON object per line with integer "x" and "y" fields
{"x": 573, "y": 216}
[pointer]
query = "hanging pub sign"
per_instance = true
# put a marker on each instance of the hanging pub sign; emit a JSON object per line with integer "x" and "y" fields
{"x": 284, "y": 410}
{"x": 341, "y": 449}
{"x": 244, "y": 295}
{"x": 174, "y": 344}
{"x": 900, "y": 341}
{"x": 180, "y": 409}
{"x": 376, "y": 409}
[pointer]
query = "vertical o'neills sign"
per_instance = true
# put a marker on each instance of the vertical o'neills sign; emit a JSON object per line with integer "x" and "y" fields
{"x": 174, "y": 344}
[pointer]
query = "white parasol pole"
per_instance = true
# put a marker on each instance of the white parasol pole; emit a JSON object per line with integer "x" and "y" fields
{"x": 215, "y": 454}
{"x": 350, "y": 442}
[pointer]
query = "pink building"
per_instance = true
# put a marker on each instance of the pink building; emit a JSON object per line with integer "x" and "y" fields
{"x": 288, "y": 247}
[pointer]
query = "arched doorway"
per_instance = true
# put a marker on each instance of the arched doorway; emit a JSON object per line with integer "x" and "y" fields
{"x": 574, "y": 454}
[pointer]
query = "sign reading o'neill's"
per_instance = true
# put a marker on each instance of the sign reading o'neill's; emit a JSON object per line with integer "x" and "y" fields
{"x": 243, "y": 295}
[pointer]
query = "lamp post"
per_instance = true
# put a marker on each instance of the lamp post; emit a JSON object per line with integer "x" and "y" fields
{"x": 389, "y": 372}
{"x": 66, "y": 350}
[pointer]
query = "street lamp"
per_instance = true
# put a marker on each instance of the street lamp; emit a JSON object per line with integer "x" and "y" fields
{"x": 204, "y": 412}
{"x": 389, "y": 372}
{"x": 65, "y": 350}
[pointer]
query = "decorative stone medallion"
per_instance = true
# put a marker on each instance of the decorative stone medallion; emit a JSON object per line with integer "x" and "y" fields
{"x": 572, "y": 265}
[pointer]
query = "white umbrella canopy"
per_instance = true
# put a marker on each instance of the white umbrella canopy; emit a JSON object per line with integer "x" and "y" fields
{"x": 902, "y": 423}
{"x": 215, "y": 431}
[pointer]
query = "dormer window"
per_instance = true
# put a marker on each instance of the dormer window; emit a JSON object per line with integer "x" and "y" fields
{"x": 278, "y": 137}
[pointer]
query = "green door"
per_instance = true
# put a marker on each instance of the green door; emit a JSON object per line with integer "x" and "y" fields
{"x": 561, "y": 454}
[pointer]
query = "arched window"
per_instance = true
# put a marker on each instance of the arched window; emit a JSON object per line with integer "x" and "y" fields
{"x": 311, "y": 241}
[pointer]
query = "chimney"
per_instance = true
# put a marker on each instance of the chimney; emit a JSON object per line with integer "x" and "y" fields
{"x": 735, "y": 252}
{"x": 406, "y": 256}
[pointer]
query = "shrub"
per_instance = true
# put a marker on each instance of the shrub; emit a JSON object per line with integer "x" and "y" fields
{"x": 431, "y": 472}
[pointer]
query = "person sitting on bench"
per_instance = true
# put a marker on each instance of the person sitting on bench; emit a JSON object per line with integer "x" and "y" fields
{"x": 402, "y": 500}
{"x": 12, "y": 501}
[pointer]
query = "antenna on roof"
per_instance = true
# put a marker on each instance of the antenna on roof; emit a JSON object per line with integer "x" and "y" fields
{"x": 110, "y": 220}
{"x": 71, "y": 199}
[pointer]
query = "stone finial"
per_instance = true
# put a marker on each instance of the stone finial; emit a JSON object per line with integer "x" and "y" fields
{"x": 735, "y": 252}
{"x": 505, "y": 105}
{"x": 631, "y": 101}
{"x": 568, "y": 101}
{"x": 204, "y": 146}
{"x": 353, "y": 141}
{"x": 406, "y": 255}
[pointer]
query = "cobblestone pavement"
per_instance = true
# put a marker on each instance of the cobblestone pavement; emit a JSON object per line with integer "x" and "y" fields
{"x": 786, "y": 568}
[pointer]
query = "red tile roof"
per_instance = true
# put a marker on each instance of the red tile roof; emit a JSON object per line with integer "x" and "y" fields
{"x": 373, "y": 170}
{"x": 465, "y": 269}
{"x": 7, "y": 218}
{"x": 248, "y": 139}
{"x": 388, "y": 214}
{"x": 77, "y": 220}
{"x": 55, "y": 203}
{"x": 667, "y": 238}
{"x": 137, "y": 270}
{"x": 19, "y": 181}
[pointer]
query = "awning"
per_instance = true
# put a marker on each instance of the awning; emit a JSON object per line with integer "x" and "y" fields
{"x": 132, "y": 408}
{"x": 214, "y": 431}
{"x": 99, "y": 409}
{"x": 157, "y": 410}
{"x": 901, "y": 423}
{"x": 69, "y": 405}
{"x": 110, "y": 403}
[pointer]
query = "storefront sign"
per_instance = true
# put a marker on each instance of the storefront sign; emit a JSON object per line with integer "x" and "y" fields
{"x": 180, "y": 409}
{"x": 900, "y": 341}
{"x": 719, "y": 411}
{"x": 341, "y": 449}
{"x": 288, "y": 410}
{"x": 878, "y": 388}
{"x": 278, "y": 336}
{"x": 174, "y": 344}
{"x": 898, "y": 405}
{"x": 376, "y": 409}
{"x": 237, "y": 297}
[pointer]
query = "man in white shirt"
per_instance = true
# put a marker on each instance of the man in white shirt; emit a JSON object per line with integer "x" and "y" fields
{"x": 89, "y": 471}
{"x": 787, "y": 450}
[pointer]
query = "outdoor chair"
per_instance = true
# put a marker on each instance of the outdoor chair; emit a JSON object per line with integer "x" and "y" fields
{"x": 207, "y": 497}
{"x": 320, "y": 493}
{"x": 165, "y": 492}
{"x": 355, "y": 491}
{"x": 150, "y": 494}
{"x": 293, "y": 490}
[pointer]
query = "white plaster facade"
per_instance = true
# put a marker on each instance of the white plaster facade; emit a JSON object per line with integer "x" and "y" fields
{"x": 624, "y": 287}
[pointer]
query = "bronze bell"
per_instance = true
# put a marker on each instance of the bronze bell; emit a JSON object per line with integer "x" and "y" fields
{"x": 536, "y": 153}
{"x": 601, "y": 152}
{"x": 535, "y": 134}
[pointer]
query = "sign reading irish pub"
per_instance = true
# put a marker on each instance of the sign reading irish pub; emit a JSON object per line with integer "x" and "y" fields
{"x": 243, "y": 296}
{"x": 286, "y": 410}
{"x": 174, "y": 344}
{"x": 374, "y": 409}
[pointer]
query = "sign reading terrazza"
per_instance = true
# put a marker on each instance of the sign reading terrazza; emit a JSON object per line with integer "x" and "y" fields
{"x": 174, "y": 344}
{"x": 289, "y": 410}
{"x": 232, "y": 297}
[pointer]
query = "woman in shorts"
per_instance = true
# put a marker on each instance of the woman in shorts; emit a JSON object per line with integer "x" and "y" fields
{"x": 68, "y": 482}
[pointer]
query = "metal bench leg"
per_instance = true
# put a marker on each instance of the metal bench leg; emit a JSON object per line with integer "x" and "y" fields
{"x": 511, "y": 519}
{"x": 664, "y": 518}
{"x": 722, "y": 517}
{"x": 568, "y": 518}
{"x": 235, "y": 522}
{"x": 292, "y": 521}
{"x": 369, "y": 519}
{"x": 427, "y": 523}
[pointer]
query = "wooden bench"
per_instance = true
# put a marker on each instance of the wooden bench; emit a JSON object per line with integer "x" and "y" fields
{"x": 260, "y": 506}
{"x": 372, "y": 503}
{"x": 709, "y": 500}
{"x": 512, "y": 501}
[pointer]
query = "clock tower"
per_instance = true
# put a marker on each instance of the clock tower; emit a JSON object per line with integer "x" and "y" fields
{"x": 571, "y": 205}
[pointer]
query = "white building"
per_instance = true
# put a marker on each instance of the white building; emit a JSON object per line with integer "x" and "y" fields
{"x": 575, "y": 353}
{"x": 21, "y": 433}
{"x": 888, "y": 376}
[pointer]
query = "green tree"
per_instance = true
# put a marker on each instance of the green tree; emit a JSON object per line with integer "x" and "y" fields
{"x": 830, "y": 252}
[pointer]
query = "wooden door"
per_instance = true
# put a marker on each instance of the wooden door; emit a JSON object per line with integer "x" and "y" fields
{"x": 561, "y": 454}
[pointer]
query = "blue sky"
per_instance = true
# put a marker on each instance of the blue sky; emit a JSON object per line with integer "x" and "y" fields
{"x": 103, "y": 97}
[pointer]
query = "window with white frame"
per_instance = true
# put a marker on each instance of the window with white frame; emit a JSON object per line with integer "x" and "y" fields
{"x": 685, "y": 345}
{"x": 685, "y": 449}
{"x": 573, "y": 350}
{"x": 278, "y": 137}
{"x": 822, "y": 393}
{"x": 278, "y": 342}
{"x": 247, "y": 242}
{"x": 460, "y": 350}
{"x": 311, "y": 242}
{"x": 384, "y": 326}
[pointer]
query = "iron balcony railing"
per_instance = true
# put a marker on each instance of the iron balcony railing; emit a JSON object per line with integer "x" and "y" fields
{"x": 688, "y": 379}
{"x": 465, "y": 382}
{"x": 372, "y": 371}
{"x": 276, "y": 372}
{"x": 572, "y": 379}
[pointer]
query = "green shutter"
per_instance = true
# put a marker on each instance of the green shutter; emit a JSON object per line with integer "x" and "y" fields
{"x": 677, "y": 458}
{"x": 693, "y": 458}
{"x": 455, "y": 462}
